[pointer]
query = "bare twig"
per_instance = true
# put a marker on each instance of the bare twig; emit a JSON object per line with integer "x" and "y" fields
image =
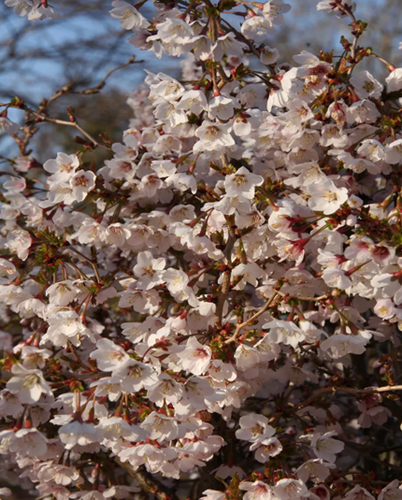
{"x": 77, "y": 358}
{"x": 87, "y": 259}
{"x": 313, "y": 299}
{"x": 225, "y": 288}
{"x": 348, "y": 390}
{"x": 74, "y": 124}
{"x": 252, "y": 318}
{"x": 148, "y": 483}
{"x": 102, "y": 83}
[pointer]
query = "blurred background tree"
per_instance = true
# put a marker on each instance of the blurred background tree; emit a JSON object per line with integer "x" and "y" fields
{"x": 39, "y": 58}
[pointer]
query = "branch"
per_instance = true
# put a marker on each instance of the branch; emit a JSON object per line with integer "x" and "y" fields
{"x": 87, "y": 259}
{"x": 225, "y": 288}
{"x": 65, "y": 123}
{"x": 77, "y": 358}
{"x": 252, "y": 318}
{"x": 348, "y": 390}
{"x": 147, "y": 482}
{"x": 102, "y": 83}
{"x": 313, "y": 299}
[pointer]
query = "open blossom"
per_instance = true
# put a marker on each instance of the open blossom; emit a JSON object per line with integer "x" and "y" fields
{"x": 336, "y": 278}
{"x": 115, "y": 428}
{"x": 80, "y": 433}
{"x": 196, "y": 357}
{"x": 269, "y": 55}
{"x": 326, "y": 447}
{"x": 394, "y": 80}
{"x": 60, "y": 474}
{"x": 366, "y": 85}
{"x": 254, "y": 428}
{"x": 257, "y": 490}
{"x": 339, "y": 345}
{"x": 288, "y": 489}
{"x": 108, "y": 355}
{"x": 128, "y": 15}
{"x": 165, "y": 389}
{"x": 270, "y": 447}
{"x": 63, "y": 167}
{"x": 221, "y": 107}
{"x": 29, "y": 442}
{"x": 214, "y": 135}
{"x": 212, "y": 495}
{"x": 134, "y": 375}
{"x": 19, "y": 242}
{"x": 273, "y": 10}
{"x": 326, "y": 197}
{"x": 28, "y": 384}
{"x": 226, "y": 44}
{"x": 176, "y": 280}
{"x": 161, "y": 427}
{"x": 7, "y": 125}
{"x": 149, "y": 270}
{"x": 243, "y": 183}
{"x": 62, "y": 293}
{"x": 81, "y": 183}
{"x": 7, "y": 271}
{"x": 284, "y": 331}
{"x": 257, "y": 28}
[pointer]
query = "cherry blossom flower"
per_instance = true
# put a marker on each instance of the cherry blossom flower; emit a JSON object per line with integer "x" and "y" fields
{"x": 176, "y": 280}
{"x": 63, "y": 167}
{"x": 326, "y": 447}
{"x": 81, "y": 183}
{"x": 394, "y": 80}
{"x": 274, "y": 10}
{"x": 214, "y": 135}
{"x": 289, "y": 488}
{"x": 108, "y": 355}
{"x": 78, "y": 433}
{"x": 326, "y": 197}
{"x": 340, "y": 345}
{"x": 29, "y": 442}
{"x": 196, "y": 357}
{"x": 5, "y": 124}
{"x": 129, "y": 16}
{"x": 257, "y": 28}
{"x": 254, "y": 428}
{"x": 242, "y": 183}
{"x": 20, "y": 241}
{"x": 28, "y": 384}
{"x": 366, "y": 85}
{"x": 62, "y": 293}
{"x": 285, "y": 332}
{"x": 161, "y": 427}
{"x": 256, "y": 490}
{"x": 134, "y": 376}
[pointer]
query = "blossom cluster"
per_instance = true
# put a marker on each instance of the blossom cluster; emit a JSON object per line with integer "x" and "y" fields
{"x": 214, "y": 312}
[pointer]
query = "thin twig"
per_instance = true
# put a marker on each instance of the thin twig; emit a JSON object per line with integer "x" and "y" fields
{"x": 148, "y": 483}
{"x": 102, "y": 83}
{"x": 314, "y": 299}
{"x": 225, "y": 288}
{"x": 240, "y": 326}
{"x": 74, "y": 124}
{"x": 87, "y": 259}
{"x": 77, "y": 358}
{"x": 348, "y": 390}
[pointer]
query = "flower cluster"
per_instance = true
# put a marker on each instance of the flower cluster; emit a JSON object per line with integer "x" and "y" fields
{"x": 220, "y": 302}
